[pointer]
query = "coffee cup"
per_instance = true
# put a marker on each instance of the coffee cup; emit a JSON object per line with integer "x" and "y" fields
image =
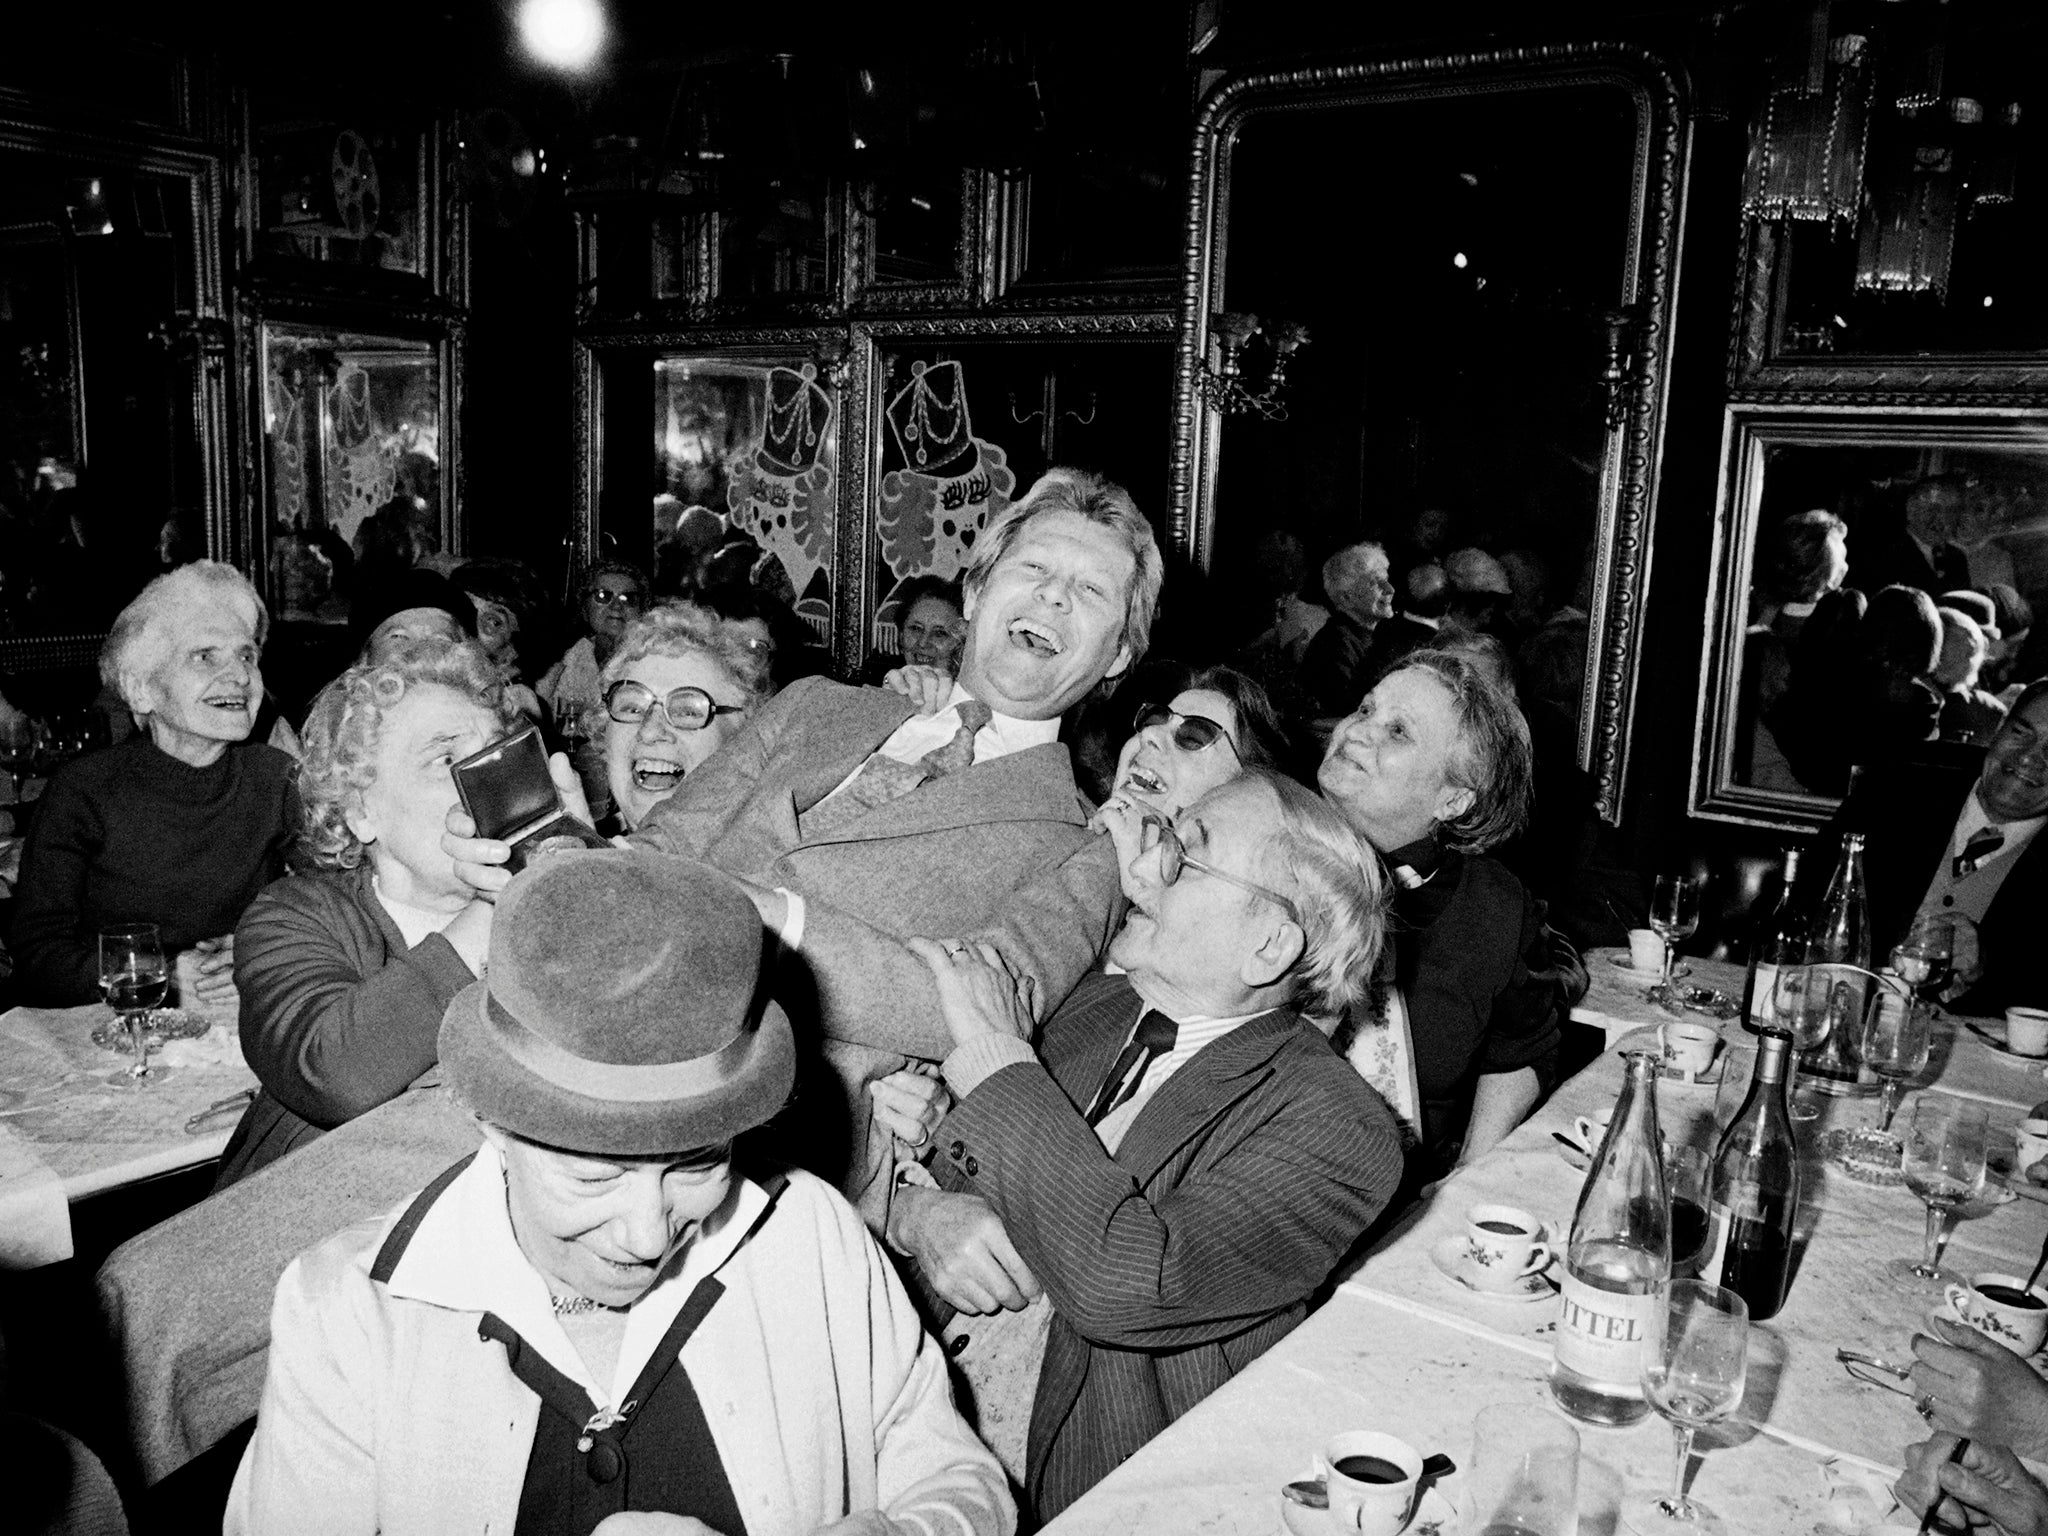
{"x": 2026, "y": 1031}
{"x": 1646, "y": 951}
{"x": 2030, "y": 1145}
{"x": 1689, "y": 1048}
{"x": 1371, "y": 1480}
{"x": 2001, "y": 1307}
{"x": 1503, "y": 1246}
{"x": 1588, "y": 1130}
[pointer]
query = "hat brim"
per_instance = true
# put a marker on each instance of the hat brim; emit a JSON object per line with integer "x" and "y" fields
{"x": 487, "y": 1062}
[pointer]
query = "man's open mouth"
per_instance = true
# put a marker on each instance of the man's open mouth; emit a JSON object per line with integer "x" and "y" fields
{"x": 1030, "y": 635}
{"x": 657, "y": 775}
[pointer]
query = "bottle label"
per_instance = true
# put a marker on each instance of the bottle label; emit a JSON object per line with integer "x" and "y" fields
{"x": 1601, "y": 1335}
{"x": 1763, "y": 1006}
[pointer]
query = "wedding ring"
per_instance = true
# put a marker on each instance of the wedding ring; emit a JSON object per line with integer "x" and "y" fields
{"x": 923, "y": 1136}
{"x": 1924, "y": 1406}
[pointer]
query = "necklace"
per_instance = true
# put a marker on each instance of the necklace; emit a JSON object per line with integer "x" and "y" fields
{"x": 573, "y": 1306}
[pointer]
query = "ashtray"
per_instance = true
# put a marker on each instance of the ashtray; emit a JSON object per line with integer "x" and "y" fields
{"x": 1718, "y": 1005}
{"x": 1865, "y": 1155}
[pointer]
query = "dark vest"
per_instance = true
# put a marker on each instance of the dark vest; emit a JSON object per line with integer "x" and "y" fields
{"x": 656, "y": 1455}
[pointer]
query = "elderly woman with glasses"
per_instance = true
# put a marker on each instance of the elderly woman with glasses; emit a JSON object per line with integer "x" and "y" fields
{"x": 1433, "y": 769}
{"x": 611, "y": 1317}
{"x": 345, "y": 969}
{"x": 612, "y": 595}
{"x": 181, "y": 824}
{"x": 680, "y": 683}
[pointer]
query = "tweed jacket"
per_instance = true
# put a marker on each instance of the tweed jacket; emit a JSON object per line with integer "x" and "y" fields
{"x": 384, "y": 1411}
{"x": 999, "y": 852}
{"x": 1909, "y": 811}
{"x": 1176, "y": 1262}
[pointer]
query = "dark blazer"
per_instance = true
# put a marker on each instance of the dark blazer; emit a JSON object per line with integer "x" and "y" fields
{"x": 1907, "y": 811}
{"x": 1174, "y": 1264}
{"x": 999, "y": 852}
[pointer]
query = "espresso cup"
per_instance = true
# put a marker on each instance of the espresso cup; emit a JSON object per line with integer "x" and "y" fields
{"x": 1646, "y": 951}
{"x": 1689, "y": 1048}
{"x": 1504, "y": 1246}
{"x": 2030, "y": 1145}
{"x": 1993, "y": 1307}
{"x": 2026, "y": 1031}
{"x": 1589, "y": 1129}
{"x": 1371, "y": 1479}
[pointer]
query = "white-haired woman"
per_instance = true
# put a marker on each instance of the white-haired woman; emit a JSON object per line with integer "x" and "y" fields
{"x": 182, "y": 824}
{"x": 345, "y": 969}
{"x": 681, "y": 681}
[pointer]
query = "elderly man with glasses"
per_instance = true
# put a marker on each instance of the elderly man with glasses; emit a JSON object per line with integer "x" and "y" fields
{"x": 1184, "y": 1160}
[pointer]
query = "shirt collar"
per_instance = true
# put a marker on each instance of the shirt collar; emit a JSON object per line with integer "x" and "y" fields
{"x": 1975, "y": 816}
{"x": 1414, "y": 864}
{"x": 1011, "y": 733}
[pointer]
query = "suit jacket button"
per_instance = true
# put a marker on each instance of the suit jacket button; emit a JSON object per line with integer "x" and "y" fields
{"x": 957, "y": 1345}
{"x": 959, "y": 1150}
{"x": 973, "y": 1167}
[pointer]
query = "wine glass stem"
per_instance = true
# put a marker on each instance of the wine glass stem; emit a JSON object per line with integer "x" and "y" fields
{"x": 138, "y": 1041}
{"x": 1666, "y": 982}
{"x": 1679, "y": 1508}
{"x": 1932, "y": 1253}
{"x": 1888, "y": 1102}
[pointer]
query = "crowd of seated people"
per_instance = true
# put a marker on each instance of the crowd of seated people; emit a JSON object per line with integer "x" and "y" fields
{"x": 875, "y": 1049}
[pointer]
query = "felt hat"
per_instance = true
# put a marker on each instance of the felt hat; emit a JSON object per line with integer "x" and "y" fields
{"x": 624, "y": 1011}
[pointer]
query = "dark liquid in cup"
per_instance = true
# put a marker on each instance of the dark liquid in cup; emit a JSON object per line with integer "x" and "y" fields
{"x": 2010, "y": 1296}
{"x": 1688, "y": 1231}
{"x": 1370, "y": 1469}
{"x": 1505, "y": 1228}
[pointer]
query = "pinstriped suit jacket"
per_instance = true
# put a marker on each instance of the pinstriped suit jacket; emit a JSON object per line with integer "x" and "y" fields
{"x": 1172, "y": 1265}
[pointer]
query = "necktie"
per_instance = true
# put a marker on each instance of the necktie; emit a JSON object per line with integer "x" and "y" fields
{"x": 1982, "y": 844}
{"x": 882, "y": 779}
{"x": 1154, "y": 1038}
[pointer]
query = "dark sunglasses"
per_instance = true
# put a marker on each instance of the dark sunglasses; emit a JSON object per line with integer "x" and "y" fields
{"x": 687, "y": 709}
{"x": 1191, "y": 733}
{"x": 1174, "y": 857}
{"x": 630, "y": 596}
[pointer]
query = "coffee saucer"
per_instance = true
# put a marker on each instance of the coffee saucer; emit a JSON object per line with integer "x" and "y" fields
{"x": 1452, "y": 1257}
{"x": 1434, "y": 1515}
{"x": 1619, "y": 959}
{"x": 1991, "y": 1032}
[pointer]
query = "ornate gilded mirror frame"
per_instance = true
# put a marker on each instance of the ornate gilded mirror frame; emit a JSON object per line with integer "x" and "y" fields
{"x": 197, "y": 332}
{"x": 264, "y": 311}
{"x": 1630, "y": 461}
{"x": 1780, "y": 459}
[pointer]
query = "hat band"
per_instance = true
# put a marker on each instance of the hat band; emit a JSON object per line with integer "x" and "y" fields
{"x": 617, "y": 1082}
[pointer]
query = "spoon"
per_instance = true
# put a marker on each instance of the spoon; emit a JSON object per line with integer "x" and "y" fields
{"x": 2039, "y": 1264}
{"x": 1313, "y": 1493}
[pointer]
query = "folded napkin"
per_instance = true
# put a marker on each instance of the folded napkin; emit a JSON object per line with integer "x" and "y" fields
{"x": 1859, "y": 1499}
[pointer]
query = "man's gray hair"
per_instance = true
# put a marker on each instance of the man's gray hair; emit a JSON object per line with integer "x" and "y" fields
{"x": 1334, "y": 879}
{"x": 1494, "y": 758}
{"x": 1344, "y": 572}
{"x": 1100, "y": 501}
{"x": 139, "y": 644}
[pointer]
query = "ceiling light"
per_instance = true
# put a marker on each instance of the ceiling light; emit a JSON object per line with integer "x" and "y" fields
{"x": 563, "y": 34}
{"x": 1460, "y": 262}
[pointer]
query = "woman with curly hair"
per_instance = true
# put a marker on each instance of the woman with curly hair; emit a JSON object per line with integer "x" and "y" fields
{"x": 345, "y": 970}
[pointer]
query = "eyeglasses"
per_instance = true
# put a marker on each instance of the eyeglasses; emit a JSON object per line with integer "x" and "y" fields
{"x": 686, "y": 709}
{"x": 606, "y": 596}
{"x": 1174, "y": 857}
{"x": 1191, "y": 733}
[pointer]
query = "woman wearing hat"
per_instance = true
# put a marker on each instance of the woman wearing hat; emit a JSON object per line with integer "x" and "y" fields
{"x": 603, "y": 1310}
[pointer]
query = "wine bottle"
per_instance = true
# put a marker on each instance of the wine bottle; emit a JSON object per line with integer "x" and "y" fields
{"x": 1841, "y": 936}
{"x": 1617, "y": 1263}
{"x": 1756, "y": 1187}
{"x": 1778, "y": 939}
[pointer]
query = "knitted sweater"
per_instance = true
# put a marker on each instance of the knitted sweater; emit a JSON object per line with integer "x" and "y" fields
{"x": 130, "y": 834}
{"x": 338, "y": 1015}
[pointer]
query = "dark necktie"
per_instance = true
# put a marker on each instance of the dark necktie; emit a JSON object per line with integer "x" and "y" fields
{"x": 1982, "y": 844}
{"x": 1154, "y": 1038}
{"x": 882, "y": 779}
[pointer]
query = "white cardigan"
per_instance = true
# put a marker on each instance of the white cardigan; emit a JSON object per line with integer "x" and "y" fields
{"x": 384, "y": 1412}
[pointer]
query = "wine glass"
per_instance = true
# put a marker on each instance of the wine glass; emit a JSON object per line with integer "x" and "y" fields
{"x": 1802, "y": 1002}
{"x": 1674, "y": 914}
{"x": 569, "y": 722}
{"x": 1895, "y": 1044}
{"x": 1923, "y": 957}
{"x": 1944, "y": 1162}
{"x": 1689, "y": 1181}
{"x": 1694, "y": 1371}
{"x": 134, "y": 978}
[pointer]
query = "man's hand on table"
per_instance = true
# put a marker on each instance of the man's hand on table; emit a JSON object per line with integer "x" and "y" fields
{"x": 1989, "y": 1492}
{"x": 1974, "y": 1386}
{"x": 213, "y": 976}
{"x": 1966, "y": 958}
{"x": 959, "y": 1243}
